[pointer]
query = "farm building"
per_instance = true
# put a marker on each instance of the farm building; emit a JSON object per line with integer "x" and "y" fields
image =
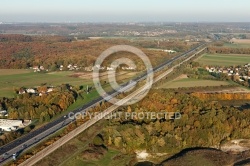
{"x": 10, "y": 125}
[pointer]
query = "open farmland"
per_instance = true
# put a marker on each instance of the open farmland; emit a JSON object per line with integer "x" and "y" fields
{"x": 224, "y": 59}
{"x": 240, "y": 41}
{"x": 9, "y": 82}
{"x": 12, "y": 79}
{"x": 190, "y": 82}
{"x": 237, "y": 45}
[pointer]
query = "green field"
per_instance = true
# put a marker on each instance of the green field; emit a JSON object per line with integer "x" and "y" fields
{"x": 223, "y": 59}
{"x": 190, "y": 82}
{"x": 11, "y": 79}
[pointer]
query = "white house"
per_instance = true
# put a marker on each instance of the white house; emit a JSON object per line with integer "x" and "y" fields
{"x": 69, "y": 66}
{"x": 42, "y": 68}
{"x": 110, "y": 68}
{"x": 50, "y": 90}
{"x": 21, "y": 91}
{"x": 33, "y": 91}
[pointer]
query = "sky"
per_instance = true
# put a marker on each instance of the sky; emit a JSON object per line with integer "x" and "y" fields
{"x": 125, "y": 11}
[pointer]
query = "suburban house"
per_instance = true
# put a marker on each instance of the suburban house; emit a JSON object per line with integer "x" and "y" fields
{"x": 110, "y": 68}
{"x": 30, "y": 90}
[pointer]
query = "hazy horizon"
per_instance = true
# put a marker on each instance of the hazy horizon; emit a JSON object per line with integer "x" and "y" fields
{"x": 125, "y": 11}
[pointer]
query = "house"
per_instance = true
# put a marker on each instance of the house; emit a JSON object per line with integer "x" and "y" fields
{"x": 41, "y": 68}
{"x": 21, "y": 91}
{"x": 50, "y": 90}
{"x": 61, "y": 67}
{"x": 110, "y": 68}
{"x": 33, "y": 91}
{"x": 210, "y": 70}
{"x": 35, "y": 67}
{"x": 69, "y": 66}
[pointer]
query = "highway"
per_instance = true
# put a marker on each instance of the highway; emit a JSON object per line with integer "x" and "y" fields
{"x": 25, "y": 142}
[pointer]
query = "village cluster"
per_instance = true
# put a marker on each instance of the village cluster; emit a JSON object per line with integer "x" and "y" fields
{"x": 35, "y": 91}
{"x": 236, "y": 73}
{"x": 75, "y": 67}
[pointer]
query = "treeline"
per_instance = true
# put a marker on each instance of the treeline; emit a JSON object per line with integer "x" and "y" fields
{"x": 228, "y": 50}
{"x": 52, "y": 52}
{"x": 17, "y": 38}
{"x": 222, "y": 96}
{"x": 26, "y": 38}
{"x": 203, "y": 124}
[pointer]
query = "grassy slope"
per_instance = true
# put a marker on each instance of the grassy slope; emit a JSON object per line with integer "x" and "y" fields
{"x": 71, "y": 153}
